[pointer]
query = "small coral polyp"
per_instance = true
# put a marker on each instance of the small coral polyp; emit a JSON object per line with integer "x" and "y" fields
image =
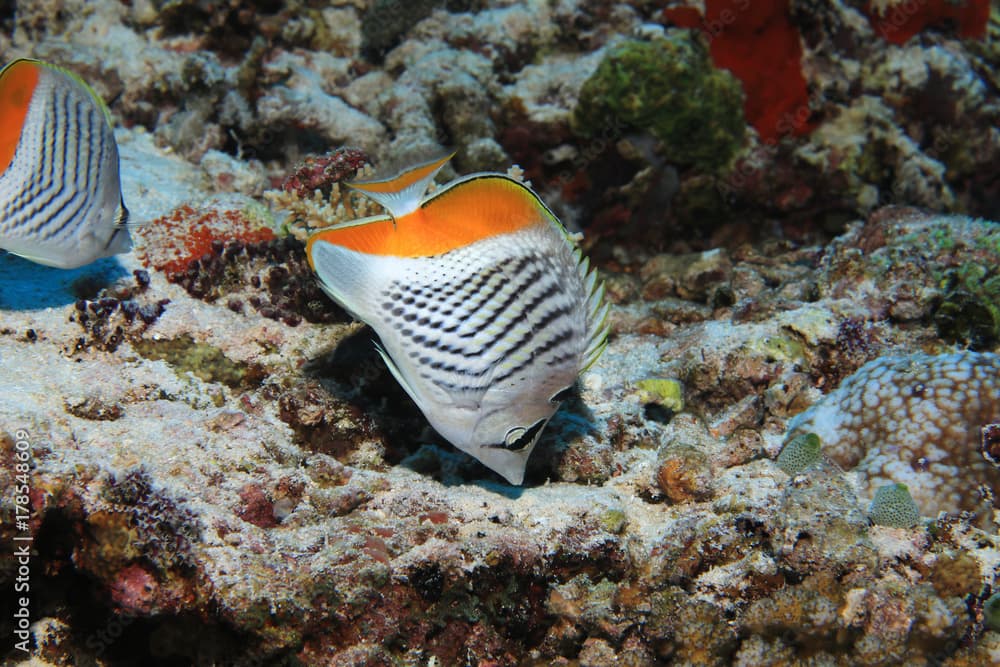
{"x": 893, "y": 506}
{"x": 915, "y": 420}
{"x": 322, "y": 172}
{"x": 800, "y": 453}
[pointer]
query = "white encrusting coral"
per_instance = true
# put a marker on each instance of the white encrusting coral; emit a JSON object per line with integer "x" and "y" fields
{"x": 914, "y": 420}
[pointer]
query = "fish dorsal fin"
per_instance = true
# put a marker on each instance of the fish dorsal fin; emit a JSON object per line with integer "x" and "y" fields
{"x": 365, "y": 235}
{"x": 401, "y": 194}
{"x": 466, "y": 211}
{"x": 17, "y": 83}
{"x": 17, "y": 86}
{"x": 597, "y": 309}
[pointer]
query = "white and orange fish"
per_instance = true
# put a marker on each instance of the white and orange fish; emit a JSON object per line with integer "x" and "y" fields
{"x": 60, "y": 194}
{"x": 485, "y": 309}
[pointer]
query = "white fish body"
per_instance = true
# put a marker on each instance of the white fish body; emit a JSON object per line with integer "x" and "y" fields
{"x": 485, "y": 334}
{"x": 60, "y": 192}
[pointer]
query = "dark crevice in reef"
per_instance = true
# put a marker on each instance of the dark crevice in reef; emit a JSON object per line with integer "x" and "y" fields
{"x": 229, "y": 27}
{"x": 276, "y": 143}
{"x": 354, "y": 376}
{"x": 99, "y": 633}
{"x": 7, "y": 9}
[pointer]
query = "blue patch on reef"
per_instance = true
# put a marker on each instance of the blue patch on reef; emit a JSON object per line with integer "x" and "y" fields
{"x": 25, "y": 285}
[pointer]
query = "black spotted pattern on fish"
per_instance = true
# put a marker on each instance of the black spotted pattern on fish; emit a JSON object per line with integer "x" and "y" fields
{"x": 485, "y": 330}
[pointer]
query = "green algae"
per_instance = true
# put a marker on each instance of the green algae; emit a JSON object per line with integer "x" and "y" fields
{"x": 386, "y": 21}
{"x": 613, "y": 521}
{"x": 991, "y": 612}
{"x": 665, "y": 392}
{"x": 670, "y": 88}
{"x": 703, "y": 201}
{"x": 969, "y": 313}
{"x": 782, "y": 348}
{"x": 202, "y": 360}
{"x": 943, "y": 238}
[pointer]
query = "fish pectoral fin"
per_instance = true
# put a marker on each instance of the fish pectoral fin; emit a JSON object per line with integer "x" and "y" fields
{"x": 396, "y": 373}
{"x": 118, "y": 242}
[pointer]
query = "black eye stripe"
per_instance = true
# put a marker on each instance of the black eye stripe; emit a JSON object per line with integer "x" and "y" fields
{"x": 524, "y": 441}
{"x": 562, "y": 395}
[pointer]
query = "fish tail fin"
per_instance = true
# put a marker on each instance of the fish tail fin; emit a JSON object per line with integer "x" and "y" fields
{"x": 119, "y": 242}
{"x": 401, "y": 194}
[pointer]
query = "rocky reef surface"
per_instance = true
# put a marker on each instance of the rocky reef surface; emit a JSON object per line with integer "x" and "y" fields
{"x": 218, "y": 469}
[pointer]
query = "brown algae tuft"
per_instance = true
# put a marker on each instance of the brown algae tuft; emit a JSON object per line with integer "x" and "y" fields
{"x": 202, "y": 360}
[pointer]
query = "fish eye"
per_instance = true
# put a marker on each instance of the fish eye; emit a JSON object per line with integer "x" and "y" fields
{"x": 513, "y": 435}
{"x": 519, "y": 437}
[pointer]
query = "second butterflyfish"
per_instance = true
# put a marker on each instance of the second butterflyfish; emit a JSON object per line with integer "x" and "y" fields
{"x": 60, "y": 193}
{"x": 486, "y": 310}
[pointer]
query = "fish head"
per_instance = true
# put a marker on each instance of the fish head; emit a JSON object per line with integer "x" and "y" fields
{"x": 506, "y": 448}
{"x": 504, "y": 437}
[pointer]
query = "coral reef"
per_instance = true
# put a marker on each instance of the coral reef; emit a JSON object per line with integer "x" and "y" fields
{"x": 915, "y": 420}
{"x": 897, "y": 22}
{"x": 213, "y": 466}
{"x": 762, "y": 48}
{"x": 311, "y": 197}
{"x": 174, "y": 242}
{"x": 232, "y": 255}
{"x": 970, "y": 308}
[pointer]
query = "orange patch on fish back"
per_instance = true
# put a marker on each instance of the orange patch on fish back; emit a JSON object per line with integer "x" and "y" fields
{"x": 458, "y": 215}
{"x": 17, "y": 86}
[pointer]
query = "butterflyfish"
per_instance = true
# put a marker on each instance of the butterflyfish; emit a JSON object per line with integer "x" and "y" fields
{"x": 60, "y": 194}
{"x": 486, "y": 310}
